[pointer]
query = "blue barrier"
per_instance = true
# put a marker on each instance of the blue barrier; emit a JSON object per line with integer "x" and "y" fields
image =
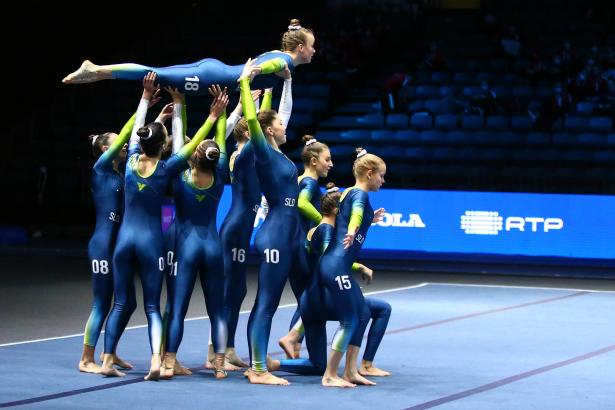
{"x": 492, "y": 226}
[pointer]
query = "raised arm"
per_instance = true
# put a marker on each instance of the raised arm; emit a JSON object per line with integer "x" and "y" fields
{"x": 178, "y": 122}
{"x": 266, "y": 104}
{"x": 217, "y": 108}
{"x": 262, "y": 148}
{"x": 150, "y": 91}
{"x": 107, "y": 157}
{"x": 220, "y": 139}
{"x": 286, "y": 100}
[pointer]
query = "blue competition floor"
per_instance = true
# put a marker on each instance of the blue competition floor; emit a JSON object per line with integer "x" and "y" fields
{"x": 447, "y": 346}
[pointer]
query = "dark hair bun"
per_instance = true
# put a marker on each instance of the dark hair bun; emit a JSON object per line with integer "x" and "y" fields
{"x": 294, "y": 22}
{"x": 330, "y": 185}
{"x": 307, "y": 137}
{"x": 143, "y": 132}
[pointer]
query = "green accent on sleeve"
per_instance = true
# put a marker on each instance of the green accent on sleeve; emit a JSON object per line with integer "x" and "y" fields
{"x": 306, "y": 208}
{"x": 200, "y": 135}
{"x": 184, "y": 118}
{"x": 356, "y": 216}
{"x": 220, "y": 138}
{"x": 121, "y": 140}
{"x": 355, "y": 267}
{"x": 249, "y": 111}
{"x": 272, "y": 66}
{"x": 266, "y": 104}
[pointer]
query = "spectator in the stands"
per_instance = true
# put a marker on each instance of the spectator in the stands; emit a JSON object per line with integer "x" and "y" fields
{"x": 590, "y": 84}
{"x": 559, "y": 106}
{"x": 392, "y": 95}
{"x": 484, "y": 102}
{"x": 536, "y": 69}
{"x": 435, "y": 60}
{"x": 510, "y": 41}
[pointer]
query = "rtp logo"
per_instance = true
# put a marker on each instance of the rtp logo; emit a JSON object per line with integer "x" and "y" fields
{"x": 481, "y": 223}
{"x": 491, "y": 223}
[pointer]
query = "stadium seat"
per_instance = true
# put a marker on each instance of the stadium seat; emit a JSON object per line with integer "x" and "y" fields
{"x": 585, "y": 108}
{"x": 371, "y": 120}
{"x": 441, "y": 78}
{"x": 432, "y": 136}
{"x": 498, "y": 122}
{"x": 421, "y": 121}
{"x": 407, "y": 135}
{"x": 397, "y": 121}
{"x": 564, "y": 138}
{"x": 521, "y": 123}
{"x": 472, "y": 122}
{"x": 357, "y": 135}
{"x": 600, "y": 124}
{"x": 383, "y": 135}
{"x": 427, "y": 91}
{"x": 538, "y": 138}
{"x": 592, "y": 139}
{"x": 575, "y": 124}
{"x": 446, "y": 122}
{"x": 435, "y": 107}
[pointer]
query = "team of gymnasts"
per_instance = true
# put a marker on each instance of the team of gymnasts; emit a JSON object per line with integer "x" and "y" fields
{"x": 309, "y": 237}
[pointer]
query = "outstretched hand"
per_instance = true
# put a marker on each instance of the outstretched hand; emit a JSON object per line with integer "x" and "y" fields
{"x": 218, "y": 105}
{"x": 215, "y": 90}
{"x": 150, "y": 89}
{"x": 155, "y": 99}
{"x": 378, "y": 215}
{"x": 256, "y": 94}
{"x": 177, "y": 96}
{"x": 250, "y": 70}
{"x": 166, "y": 113}
{"x": 349, "y": 239}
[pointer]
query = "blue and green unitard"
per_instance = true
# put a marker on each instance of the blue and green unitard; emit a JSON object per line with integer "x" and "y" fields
{"x": 195, "y": 78}
{"x": 275, "y": 240}
{"x": 198, "y": 248}
{"x": 108, "y": 197}
{"x": 140, "y": 240}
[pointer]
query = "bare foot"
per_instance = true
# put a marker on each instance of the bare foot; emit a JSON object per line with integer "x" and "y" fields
{"x": 154, "y": 370}
{"x": 288, "y": 345}
{"x": 272, "y": 364}
{"x": 111, "y": 372}
{"x": 297, "y": 350}
{"x": 107, "y": 368}
{"x": 167, "y": 369}
{"x": 248, "y": 372}
{"x": 232, "y": 358}
{"x": 87, "y": 73}
{"x": 266, "y": 378}
{"x": 356, "y": 378}
{"x": 118, "y": 362}
{"x": 220, "y": 373}
{"x": 121, "y": 363}
{"x": 88, "y": 367}
{"x": 229, "y": 367}
{"x": 179, "y": 370}
{"x": 153, "y": 375}
{"x": 336, "y": 382}
{"x": 373, "y": 371}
